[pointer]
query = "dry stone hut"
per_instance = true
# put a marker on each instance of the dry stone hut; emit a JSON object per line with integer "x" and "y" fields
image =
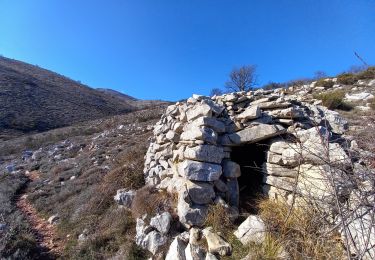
{"x": 233, "y": 148}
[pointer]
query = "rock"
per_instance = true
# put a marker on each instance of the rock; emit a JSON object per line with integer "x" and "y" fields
{"x": 337, "y": 124}
{"x": 233, "y": 192}
{"x": 200, "y": 133}
{"x": 191, "y": 215}
{"x": 213, "y": 123}
{"x": 216, "y": 108}
{"x": 205, "y": 153}
{"x": 358, "y": 96}
{"x": 125, "y": 197}
{"x": 220, "y": 186}
{"x": 53, "y": 219}
{"x": 216, "y": 245}
{"x": 251, "y": 112}
{"x": 172, "y": 136}
{"x": 82, "y": 237}
{"x": 277, "y": 170}
{"x": 198, "y": 111}
{"x": 362, "y": 231}
{"x": 231, "y": 169}
{"x": 195, "y": 236}
{"x": 176, "y": 250}
{"x": 288, "y": 113}
{"x": 153, "y": 241}
{"x": 210, "y": 256}
{"x": 274, "y": 104}
{"x": 253, "y": 134}
{"x": 198, "y": 192}
{"x": 194, "y": 252}
{"x": 251, "y": 230}
{"x": 3, "y": 227}
{"x": 371, "y": 83}
{"x": 199, "y": 171}
{"x": 230, "y": 97}
{"x": 162, "y": 222}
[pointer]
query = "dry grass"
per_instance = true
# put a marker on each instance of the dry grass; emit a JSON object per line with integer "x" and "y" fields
{"x": 218, "y": 219}
{"x": 150, "y": 201}
{"x": 301, "y": 232}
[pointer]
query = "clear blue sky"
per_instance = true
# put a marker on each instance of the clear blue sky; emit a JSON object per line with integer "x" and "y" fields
{"x": 171, "y": 49}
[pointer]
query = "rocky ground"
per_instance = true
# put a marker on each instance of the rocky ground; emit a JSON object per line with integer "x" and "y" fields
{"x": 58, "y": 179}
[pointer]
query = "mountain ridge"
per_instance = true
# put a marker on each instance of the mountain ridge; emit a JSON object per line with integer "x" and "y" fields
{"x": 35, "y": 99}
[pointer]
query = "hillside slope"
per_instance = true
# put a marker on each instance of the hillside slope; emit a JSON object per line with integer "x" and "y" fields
{"x": 34, "y": 99}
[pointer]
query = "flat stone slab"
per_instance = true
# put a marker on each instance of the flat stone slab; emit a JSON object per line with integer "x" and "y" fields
{"x": 252, "y": 134}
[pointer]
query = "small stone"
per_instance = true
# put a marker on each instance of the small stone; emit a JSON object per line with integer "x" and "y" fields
{"x": 216, "y": 244}
{"x": 162, "y": 222}
{"x": 194, "y": 252}
{"x": 251, "y": 230}
{"x": 124, "y": 197}
{"x": 195, "y": 236}
{"x": 53, "y": 219}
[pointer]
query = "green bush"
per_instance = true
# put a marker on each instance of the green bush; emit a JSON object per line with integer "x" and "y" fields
{"x": 334, "y": 100}
{"x": 324, "y": 83}
{"x": 347, "y": 79}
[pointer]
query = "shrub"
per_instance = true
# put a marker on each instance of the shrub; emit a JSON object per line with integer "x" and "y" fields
{"x": 369, "y": 73}
{"x": 324, "y": 83}
{"x": 334, "y": 100}
{"x": 347, "y": 79}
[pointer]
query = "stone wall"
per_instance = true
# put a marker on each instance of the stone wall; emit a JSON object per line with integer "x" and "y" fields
{"x": 190, "y": 153}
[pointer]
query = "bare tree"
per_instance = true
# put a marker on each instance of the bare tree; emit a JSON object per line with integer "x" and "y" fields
{"x": 242, "y": 79}
{"x": 216, "y": 92}
{"x": 320, "y": 75}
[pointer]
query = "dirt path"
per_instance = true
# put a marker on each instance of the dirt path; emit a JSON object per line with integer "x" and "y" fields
{"x": 45, "y": 233}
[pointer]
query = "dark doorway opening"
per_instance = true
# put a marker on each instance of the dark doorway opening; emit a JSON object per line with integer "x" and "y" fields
{"x": 251, "y": 158}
